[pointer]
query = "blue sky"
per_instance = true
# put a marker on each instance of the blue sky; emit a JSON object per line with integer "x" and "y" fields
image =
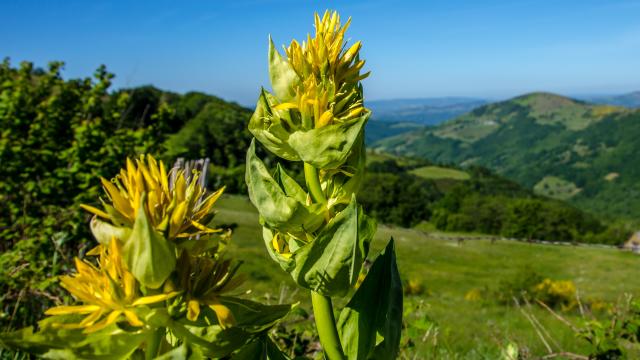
{"x": 492, "y": 49}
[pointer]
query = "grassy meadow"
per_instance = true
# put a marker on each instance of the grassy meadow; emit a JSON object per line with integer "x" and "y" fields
{"x": 440, "y": 321}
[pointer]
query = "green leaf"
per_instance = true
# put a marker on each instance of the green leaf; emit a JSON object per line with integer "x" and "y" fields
{"x": 287, "y": 264}
{"x": 328, "y": 147}
{"x": 283, "y": 78}
{"x": 371, "y": 323}
{"x": 184, "y": 352}
{"x": 252, "y": 320}
{"x": 149, "y": 256}
{"x": 279, "y": 210}
{"x": 267, "y": 126}
{"x": 110, "y": 343}
{"x": 262, "y": 348}
{"x": 342, "y": 183}
{"x": 330, "y": 264}
{"x": 104, "y": 232}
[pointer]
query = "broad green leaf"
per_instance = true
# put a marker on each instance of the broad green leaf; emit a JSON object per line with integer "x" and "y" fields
{"x": 252, "y": 320}
{"x": 289, "y": 186}
{"x": 283, "y": 78}
{"x": 104, "y": 232}
{"x": 262, "y": 348}
{"x": 328, "y": 147}
{"x": 278, "y": 210}
{"x": 149, "y": 256}
{"x": 371, "y": 323}
{"x": 330, "y": 264}
{"x": 268, "y": 128}
{"x": 110, "y": 343}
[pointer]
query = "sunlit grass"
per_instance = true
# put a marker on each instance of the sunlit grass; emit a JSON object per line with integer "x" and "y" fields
{"x": 448, "y": 270}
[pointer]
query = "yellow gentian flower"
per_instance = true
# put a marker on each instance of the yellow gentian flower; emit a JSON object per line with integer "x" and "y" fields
{"x": 330, "y": 74}
{"x": 204, "y": 279}
{"x": 109, "y": 292}
{"x": 177, "y": 210}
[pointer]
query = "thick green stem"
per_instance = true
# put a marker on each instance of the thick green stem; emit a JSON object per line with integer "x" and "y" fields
{"x": 326, "y": 325}
{"x": 322, "y": 307}
{"x": 313, "y": 183}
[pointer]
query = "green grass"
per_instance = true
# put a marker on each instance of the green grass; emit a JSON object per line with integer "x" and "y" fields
{"x": 437, "y": 173}
{"x": 448, "y": 271}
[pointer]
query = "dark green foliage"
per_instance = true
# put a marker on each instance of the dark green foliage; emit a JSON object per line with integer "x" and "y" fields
{"x": 397, "y": 197}
{"x": 486, "y": 203}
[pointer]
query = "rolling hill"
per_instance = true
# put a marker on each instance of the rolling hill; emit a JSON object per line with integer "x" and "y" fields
{"x": 630, "y": 100}
{"x": 564, "y": 148}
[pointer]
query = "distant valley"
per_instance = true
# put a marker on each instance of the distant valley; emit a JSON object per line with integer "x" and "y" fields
{"x": 426, "y": 111}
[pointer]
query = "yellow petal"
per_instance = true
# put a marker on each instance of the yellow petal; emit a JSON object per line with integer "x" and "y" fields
{"x": 95, "y": 251}
{"x": 164, "y": 178}
{"x": 353, "y": 50}
{"x": 177, "y": 218}
{"x": 120, "y": 203}
{"x": 224, "y": 315}
{"x": 112, "y": 318}
{"x": 145, "y": 300}
{"x": 133, "y": 318}
{"x": 193, "y": 310}
{"x": 91, "y": 318}
{"x": 325, "y": 119}
{"x": 95, "y": 211}
{"x": 72, "y": 309}
{"x": 285, "y": 106}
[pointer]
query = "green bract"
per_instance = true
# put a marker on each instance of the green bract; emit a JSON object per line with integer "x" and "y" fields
{"x": 282, "y": 203}
{"x": 282, "y": 132}
{"x": 149, "y": 256}
{"x": 330, "y": 263}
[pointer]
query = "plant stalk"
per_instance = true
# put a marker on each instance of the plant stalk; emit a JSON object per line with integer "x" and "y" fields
{"x": 322, "y": 307}
{"x": 313, "y": 184}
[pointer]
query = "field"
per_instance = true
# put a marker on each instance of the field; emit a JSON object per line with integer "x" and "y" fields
{"x": 440, "y": 320}
{"x": 437, "y": 172}
{"x": 555, "y": 187}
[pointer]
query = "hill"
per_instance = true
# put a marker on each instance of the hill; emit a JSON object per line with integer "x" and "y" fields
{"x": 630, "y": 100}
{"x": 426, "y": 111}
{"x": 564, "y": 148}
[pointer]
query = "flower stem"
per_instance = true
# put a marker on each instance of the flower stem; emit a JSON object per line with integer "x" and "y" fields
{"x": 313, "y": 183}
{"x": 326, "y": 325}
{"x": 322, "y": 307}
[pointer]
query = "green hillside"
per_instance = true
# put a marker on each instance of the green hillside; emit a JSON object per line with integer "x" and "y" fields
{"x": 560, "y": 147}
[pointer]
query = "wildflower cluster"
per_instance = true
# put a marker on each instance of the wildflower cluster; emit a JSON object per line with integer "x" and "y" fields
{"x": 557, "y": 293}
{"x": 158, "y": 282}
